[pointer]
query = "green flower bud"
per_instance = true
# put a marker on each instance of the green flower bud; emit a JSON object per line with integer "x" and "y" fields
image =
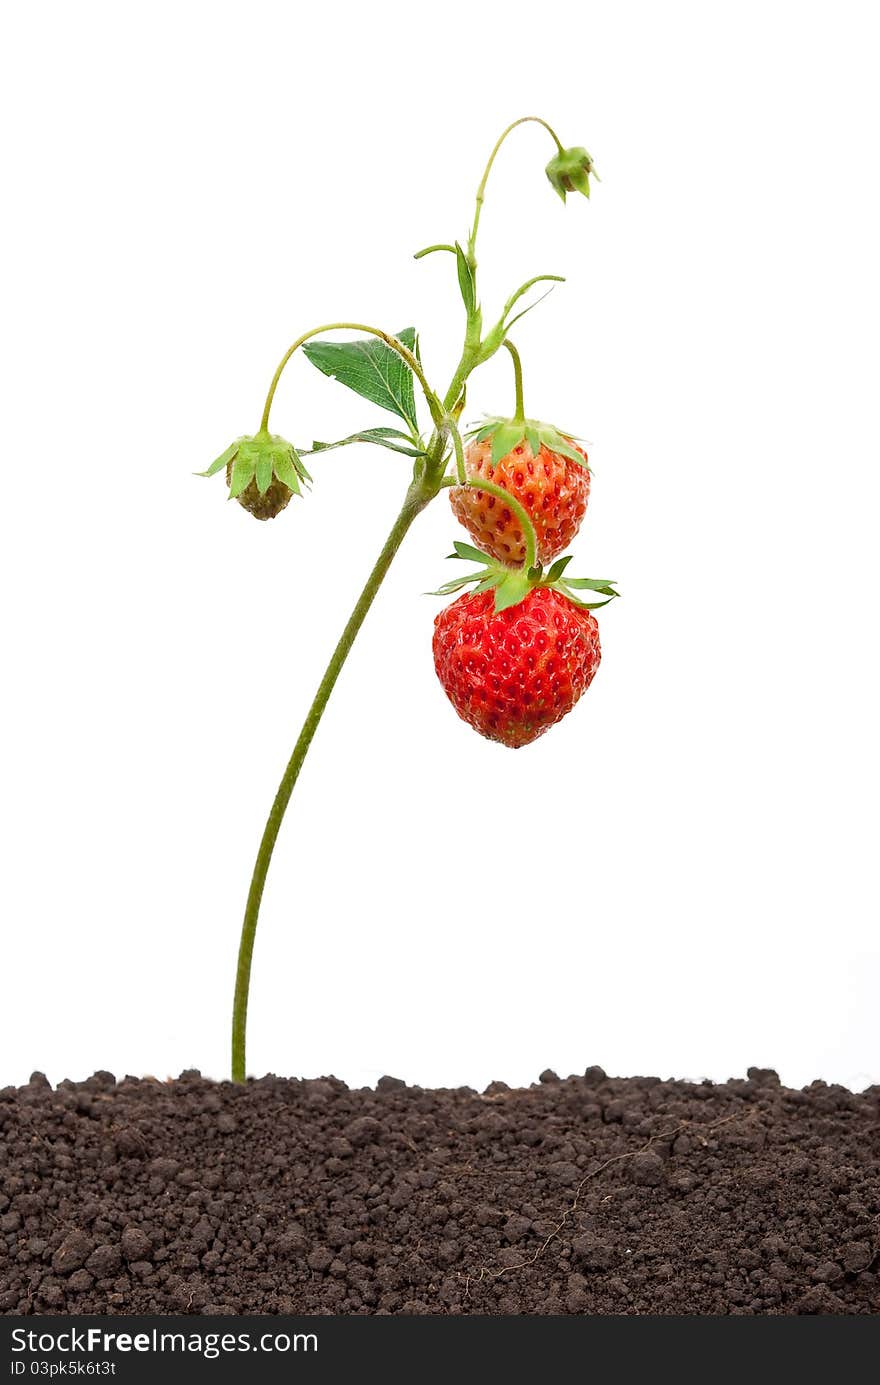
{"x": 262, "y": 473}
{"x": 570, "y": 172}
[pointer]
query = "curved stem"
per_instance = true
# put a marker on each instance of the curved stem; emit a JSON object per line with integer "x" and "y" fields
{"x": 536, "y": 279}
{"x": 520, "y": 415}
{"x": 522, "y": 514}
{"x": 429, "y": 250}
{"x": 416, "y": 499}
{"x": 481, "y": 190}
{"x": 395, "y": 345}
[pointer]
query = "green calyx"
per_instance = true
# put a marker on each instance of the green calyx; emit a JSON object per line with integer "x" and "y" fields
{"x": 512, "y": 584}
{"x": 509, "y": 433}
{"x": 569, "y": 171}
{"x": 263, "y": 472}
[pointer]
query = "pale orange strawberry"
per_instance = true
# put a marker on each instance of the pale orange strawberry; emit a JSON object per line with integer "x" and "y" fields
{"x": 553, "y": 489}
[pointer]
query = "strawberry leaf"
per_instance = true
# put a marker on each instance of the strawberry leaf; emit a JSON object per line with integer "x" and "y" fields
{"x": 465, "y": 280}
{"x": 392, "y": 438}
{"x": 371, "y": 369}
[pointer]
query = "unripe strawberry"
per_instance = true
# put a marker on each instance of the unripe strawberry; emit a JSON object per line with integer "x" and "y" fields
{"x": 550, "y": 486}
{"x": 265, "y": 505}
{"x": 512, "y": 674}
{"x": 263, "y": 473}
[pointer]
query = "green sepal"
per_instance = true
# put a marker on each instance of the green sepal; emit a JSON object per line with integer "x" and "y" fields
{"x": 556, "y": 571}
{"x": 287, "y": 474}
{"x": 588, "y": 584}
{"x": 223, "y": 460}
{"x": 261, "y": 459}
{"x": 570, "y": 171}
{"x": 512, "y": 584}
{"x": 467, "y": 551}
{"x": 506, "y": 437}
{"x": 580, "y": 181}
{"x": 242, "y": 474}
{"x": 512, "y": 588}
{"x": 263, "y": 472}
{"x": 507, "y": 433}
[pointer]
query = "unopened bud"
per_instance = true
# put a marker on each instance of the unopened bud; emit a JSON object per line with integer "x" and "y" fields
{"x": 570, "y": 171}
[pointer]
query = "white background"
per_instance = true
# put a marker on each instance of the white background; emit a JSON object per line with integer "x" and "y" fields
{"x": 679, "y": 879}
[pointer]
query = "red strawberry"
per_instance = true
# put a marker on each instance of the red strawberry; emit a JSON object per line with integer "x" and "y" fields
{"x": 514, "y": 673}
{"x": 552, "y": 487}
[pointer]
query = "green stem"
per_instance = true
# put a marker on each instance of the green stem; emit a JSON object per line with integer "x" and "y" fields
{"x": 522, "y": 514}
{"x": 515, "y": 297}
{"x": 417, "y": 498}
{"x": 430, "y": 249}
{"x": 395, "y": 345}
{"x": 481, "y": 190}
{"x": 520, "y": 415}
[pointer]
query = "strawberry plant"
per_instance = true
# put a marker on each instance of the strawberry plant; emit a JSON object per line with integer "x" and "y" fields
{"x": 516, "y": 653}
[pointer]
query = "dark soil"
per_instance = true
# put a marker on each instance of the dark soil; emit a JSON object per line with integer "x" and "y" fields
{"x": 585, "y": 1195}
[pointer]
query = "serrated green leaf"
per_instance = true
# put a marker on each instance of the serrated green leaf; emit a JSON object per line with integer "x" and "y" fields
{"x": 533, "y": 440}
{"x": 372, "y": 370}
{"x": 287, "y": 472}
{"x": 263, "y": 472}
{"x": 242, "y": 475}
{"x": 223, "y": 460}
{"x": 465, "y": 279}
